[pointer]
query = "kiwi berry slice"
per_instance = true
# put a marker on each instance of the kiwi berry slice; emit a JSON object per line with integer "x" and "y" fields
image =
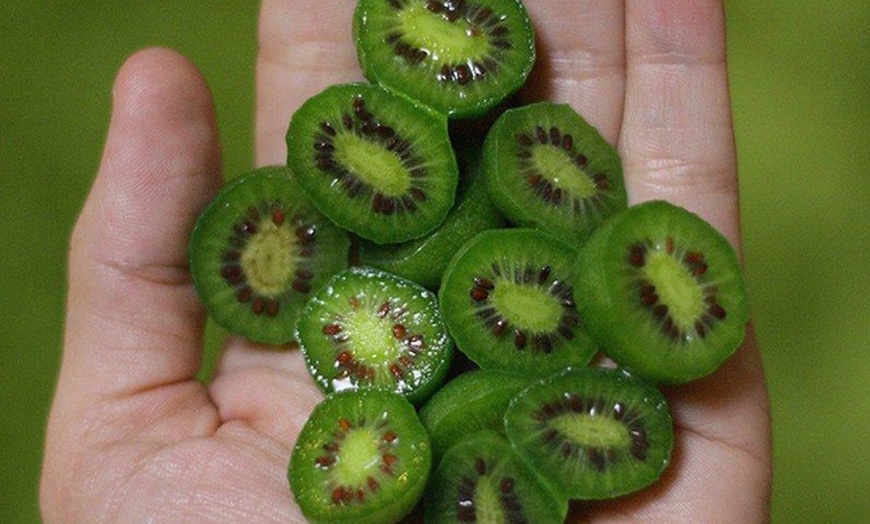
{"x": 373, "y": 162}
{"x": 423, "y": 260}
{"x": 508, "y": 301}
{"x": 361, "y": 457}
{"x": 547, "y": 167}
{"x": 460, "y": 57}
{"x": 468, "y": 403}
{"x": 259, "y": 250}
{"x": 662, "y": 292}
{"x": 367, "y": 328}
{"x": 481, "y": 479}
{"x": 593, "y": 433}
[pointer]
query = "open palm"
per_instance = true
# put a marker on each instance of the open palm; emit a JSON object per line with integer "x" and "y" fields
{"x": 133, "y": 436}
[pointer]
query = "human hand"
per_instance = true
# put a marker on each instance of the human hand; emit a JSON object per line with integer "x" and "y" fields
{"x": 134, "y": 436}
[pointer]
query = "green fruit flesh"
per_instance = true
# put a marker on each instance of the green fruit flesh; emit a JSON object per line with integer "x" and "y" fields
{"x": 373, "y": 162}
{"x": 592, "y": 433}
{"x": 460, "y": 58}
{"x": 424, "y": 260}
{"x": 480, "y": 479}
{"x": 662, "y": 292}
{"x": 259, "y": 250}
{"x": 547, "y": 167}
{"x": 370, "y": 329}
{"x": 362, "y": 457}
{"x": 470, "y": 402}
{"x": 507, "y": 299}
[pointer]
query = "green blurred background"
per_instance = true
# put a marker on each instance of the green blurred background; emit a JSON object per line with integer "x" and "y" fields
{"x": 800, "y": 73}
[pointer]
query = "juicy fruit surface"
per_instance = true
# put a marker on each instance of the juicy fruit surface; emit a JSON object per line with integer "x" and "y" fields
{"x": 373, "y": 162}
{"x": 259, "y": 250}
{"x": 424, "y": 260}
{"x": 549, "y": 168}
{"x": 592, "y": 432}
{"x": 370, "y": 329}
{"x": 362, "y": 457}
{"x": 471, "y": 402}
{"x": 480, "y": 479}
{"x": 460, "y": 57}
{"x": 508, "y": 301}
{"x": 663, "y": 293}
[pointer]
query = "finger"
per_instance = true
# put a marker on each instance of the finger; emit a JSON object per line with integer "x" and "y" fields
{"x": 305, "y": 46}
{"x": 133, "y": 317}
{"x": 580, "y": 59}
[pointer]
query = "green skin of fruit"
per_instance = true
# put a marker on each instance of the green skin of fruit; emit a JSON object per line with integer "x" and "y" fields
{"x": 411, "y": 471}
{"x": 575, "y": 476}
{"x": 511, "y": 193}
{"x": 210, "y": 237}
{"x": 424, "y": 260}
{"x": 375, "y": 339}
{"x": 471, "y": 402}
{"x": 472, "y": 337}
{"x": 427, "y": 134}
{"x": 381, "y": 65}
{"x": 540, "y": 505}
{"x": 607, "y": 300}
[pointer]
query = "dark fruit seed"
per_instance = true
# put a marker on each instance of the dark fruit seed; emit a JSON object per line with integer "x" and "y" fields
{"x": 506, "y": 485}
{"x": 555, "y": 136}
{"x": 519, "y": 339}
{"x": 479, "y": 294}
{"x": 717, "y": 311}
{"x": 480, "y": 466}
{"x": 541, "y": 134}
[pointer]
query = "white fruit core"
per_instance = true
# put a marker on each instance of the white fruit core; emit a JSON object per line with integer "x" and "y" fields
{"x": 269, "y": 258}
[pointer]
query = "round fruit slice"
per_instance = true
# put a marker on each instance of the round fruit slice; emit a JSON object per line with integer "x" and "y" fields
{"x": 547, "y": 167}
{"x": 370, "y": 329}
{"x": 373, "y": 162}
{"x": 257, "y": 252}
{"x": 362, "y": 457}
{"x": 593, "y": 433}
{"x": 508, "y": 301}
{"x": 662, "y": 292}
{"x": 460, "y": 57}
{"x": 481, "y": 479}
{"x": 468, "y": 403}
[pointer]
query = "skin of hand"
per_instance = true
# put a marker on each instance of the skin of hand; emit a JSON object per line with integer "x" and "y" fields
{"x": 133, "y": 435}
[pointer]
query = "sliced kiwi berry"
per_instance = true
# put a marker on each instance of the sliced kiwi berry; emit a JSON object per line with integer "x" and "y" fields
{"x": 259, "y": 250}
{"x": 662, "y": 292}
{"x": 460, "y": 57}
{"x": 373, "y": 162}
{"x": 481, "y": 479}
{"x": 367, "y": 328}
{"x": 423, "y": 260}
{"x": 547, "y": 167}
{"x": 592, "y": 433}
{"x": 361, "y": 457}
{"x": 468, "y": 403}
{"x": 508, "y": 301}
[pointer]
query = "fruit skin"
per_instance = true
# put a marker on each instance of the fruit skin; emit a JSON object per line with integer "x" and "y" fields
{"x": 318, "y": 430}
{"x": 355, "y": 214}
{"x": 605, "y": 306}
{"x": 322, "y": 307}
{"x": 510, "y": 190}
{"x": 225, "y": 208}
{"x": 424, "y": 260}
{"x": 540, "y": 505}
{"x": 471, "y": 402}
{"x": 380, "y": 65}
{"x": 576, "y": 475}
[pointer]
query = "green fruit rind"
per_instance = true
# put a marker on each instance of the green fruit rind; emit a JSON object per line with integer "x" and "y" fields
{"x": 609, "y": 455}
{"x": 344, "y": 187}
{"x": 543, "y": 310}
{"x": 313, "y": 484}
{"x": 576, "y": 215}
{"x": 608, "y": 298}
{"x": 506, "y": 491}
{"x": 213, "y": 236}
{"x": 374, "y": 20}
{"x": 470, "y": 402}
{"x": 372, "y": 337}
